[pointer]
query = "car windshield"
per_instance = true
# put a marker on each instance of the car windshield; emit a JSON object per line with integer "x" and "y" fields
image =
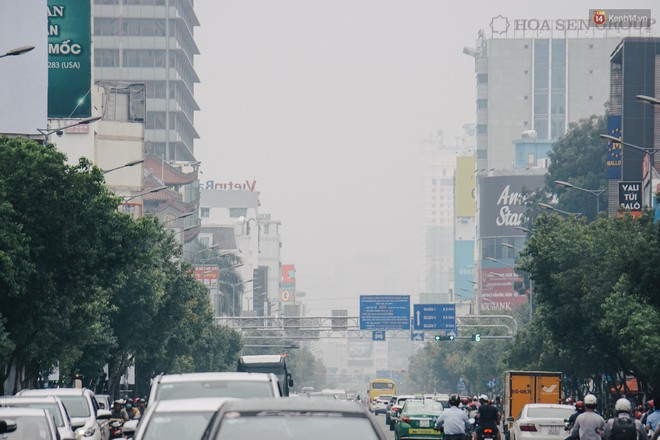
{"x": 422, "y": 407}
{"x": 51, "y": 407}
{"x": 28, "y": 428}
{"x": 76, "y": 406}
{"x": 549, "y": 413}
{"x": 176, "y": 426}
{"x": 217, "y": 388}
{"x": 295, "y": 425}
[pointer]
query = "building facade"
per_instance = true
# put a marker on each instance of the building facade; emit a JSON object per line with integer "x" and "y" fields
{"x": 539, "y": 83}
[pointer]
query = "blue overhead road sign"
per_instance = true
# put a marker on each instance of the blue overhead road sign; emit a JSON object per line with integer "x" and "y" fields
{"x": 434, "y": 317}
{"x": 378, "y": 336}
{"x": 384, "y": 312}
{"x": 417, "y": 335}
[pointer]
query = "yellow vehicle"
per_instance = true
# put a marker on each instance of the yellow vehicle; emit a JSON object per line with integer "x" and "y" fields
{"x": 381, "y": 386}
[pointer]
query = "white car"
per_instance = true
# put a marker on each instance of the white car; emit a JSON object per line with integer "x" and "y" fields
{"x": 89, "y": 422}
{"x": 192, "y": 385}
{"x": 541, "y": 421}
{"x": 379, "y": 406}
{"x": 51, "y": 403}
{"x": 177, "y": 419}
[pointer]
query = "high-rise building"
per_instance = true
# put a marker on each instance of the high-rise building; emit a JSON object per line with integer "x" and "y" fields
{"x": 536, "y": 82}
{"x": 635, "y": 70}
{"x": 151, "y": 42}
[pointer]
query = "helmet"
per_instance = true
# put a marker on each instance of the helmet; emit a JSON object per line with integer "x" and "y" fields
{"x": 454, "y": 400}
{"x": 590, "y": 401}
{"x": 568, "y": 401}
{"x": 650, "y": 402}
{"x": 465, "y": 400}
{"x": 118, "y": 402}
{"x": 622, "y": 405}
{"x": 483, "y": 398}
{"x": 142, "y": 400}
{"x": 579, "y": 405}
{"x": 129, "y": 400}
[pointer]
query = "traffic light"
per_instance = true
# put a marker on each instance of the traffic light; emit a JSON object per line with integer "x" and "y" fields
{"x": 476, "y": 337}
{"x": 444, "y": 337}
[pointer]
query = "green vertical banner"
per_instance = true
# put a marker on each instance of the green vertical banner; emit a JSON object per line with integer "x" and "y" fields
{"x": 69, "y": 59}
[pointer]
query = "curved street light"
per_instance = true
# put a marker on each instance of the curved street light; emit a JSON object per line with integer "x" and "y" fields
{"x": 151, "y": 191}
{"x": 595, "y": 192}
{"x": 126, "y": 165}
{"x": 648, "y": 99}
{"x": 552, "y": 208}
{"x": 18, "y": 51}
{"x": 48, "y": 131}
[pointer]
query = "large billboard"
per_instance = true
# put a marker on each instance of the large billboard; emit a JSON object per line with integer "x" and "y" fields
{"x": 502, "y": 204}
{"x": 497, "y": 290}
{"x": 23, "y": 78}
{"x": 288, "y": 283}
{"x": 464, "y": 268}
{"x": 466, "y": 204}
{"x": 69, "y": 59}
{"x": 614, "y": 160}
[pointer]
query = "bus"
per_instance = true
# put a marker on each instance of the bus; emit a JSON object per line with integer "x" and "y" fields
{"x": 270, "y": 363}
{"x": 381, "y": 386}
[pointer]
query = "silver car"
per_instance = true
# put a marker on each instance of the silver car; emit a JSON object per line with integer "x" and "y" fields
{"x": 89, "y": 421}
{"x": 177, "y": 419}
{"x": 31, "y": 424}
{"x": 51, "y": 403}
{"x": 191, "y": 385}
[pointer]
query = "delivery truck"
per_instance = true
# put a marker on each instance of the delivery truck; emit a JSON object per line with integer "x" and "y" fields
{"x": 523, "y": 387}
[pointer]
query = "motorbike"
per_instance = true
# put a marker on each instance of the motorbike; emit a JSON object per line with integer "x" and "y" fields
{"x": 116, "y": 428}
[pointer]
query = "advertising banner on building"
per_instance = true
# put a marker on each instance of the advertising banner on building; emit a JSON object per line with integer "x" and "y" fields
{"x": 613, "y": 148}
{"x": 207, "y": 275}
{"x": 502, "y": 204}
{"x": 466, "y": 204}
{"x": 69, "y": 59}
{"x": 497, "y": 290}
{"x": 288, "y": 283}
{"x": 464, "y": 268}
{"x": 630, "y": 198}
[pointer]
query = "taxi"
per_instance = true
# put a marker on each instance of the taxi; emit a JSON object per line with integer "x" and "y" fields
{"x": 417, "y": 420}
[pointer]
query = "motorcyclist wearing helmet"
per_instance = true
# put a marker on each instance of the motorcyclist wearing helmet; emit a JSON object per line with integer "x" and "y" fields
{"x": 118, "y": 412}
{"x": 488, "y": 416}
{"x": 131, "y": 410}
{"x": 453, "y": 421}
{"x": 589, "y": 425}
{"x": 579, "y": 409}
{"x": 623, "y": 409}
{"x": 142, "y": 405}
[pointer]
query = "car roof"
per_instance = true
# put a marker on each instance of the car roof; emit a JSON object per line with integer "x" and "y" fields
{"x": 200, "y": 404}
{"x": 54, "y": 392}
{"x": 548, "y": 405}
{"x": 262, "y": 358}
{"x": 13, "y": 411}
{"x": 29, "y": 399}
{"x": 309, "y": 404}
{"x": 195, "y": 377}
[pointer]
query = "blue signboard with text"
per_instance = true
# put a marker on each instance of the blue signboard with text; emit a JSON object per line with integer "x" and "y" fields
{"x": 434, "y": 317}
{"x": 384, "y": 312}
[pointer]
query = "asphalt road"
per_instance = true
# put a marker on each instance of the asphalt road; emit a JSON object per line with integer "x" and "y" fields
{"x": 384, "y": 427}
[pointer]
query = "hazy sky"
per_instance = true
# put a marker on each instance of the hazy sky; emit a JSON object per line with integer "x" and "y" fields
{"x": 325, "y": 102}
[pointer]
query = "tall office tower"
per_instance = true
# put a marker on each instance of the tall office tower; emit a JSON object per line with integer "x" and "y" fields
{"x": 536, "y": 82}
{"x": 151, "y": 42}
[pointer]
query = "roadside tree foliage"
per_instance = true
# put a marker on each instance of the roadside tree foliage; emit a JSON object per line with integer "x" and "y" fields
{"x": 83, "y": 285}
{"x": 595, "y": 286}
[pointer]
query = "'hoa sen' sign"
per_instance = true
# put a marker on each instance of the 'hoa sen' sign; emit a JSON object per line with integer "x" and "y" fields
{"x": 244, "y": 186}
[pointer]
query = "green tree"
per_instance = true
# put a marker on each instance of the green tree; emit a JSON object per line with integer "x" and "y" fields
{"x": 579, "y": 157}
{"x": 306, "y": 369}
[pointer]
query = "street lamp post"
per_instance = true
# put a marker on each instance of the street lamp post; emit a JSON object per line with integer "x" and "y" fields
{"x": 650, "y": 151}
{"x": 18, "y": 51}
{"x": 126, "y": 165}
{"x": 48, "y": 131}
{"x": 151, "y": 191}
{"x": 648, "y": 99}
{"x": 233, "y": 294}
{"x": 595, "y": 192}
{"x": 553, "y": 208}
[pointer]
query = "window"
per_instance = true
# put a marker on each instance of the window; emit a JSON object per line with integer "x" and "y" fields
{"x": 482, "y": 103}
{"x": 237, "y": 212}
{"x": 482, "y": 78}
{"x": 205, "y": 213}
{"x": 482, "y": 129}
